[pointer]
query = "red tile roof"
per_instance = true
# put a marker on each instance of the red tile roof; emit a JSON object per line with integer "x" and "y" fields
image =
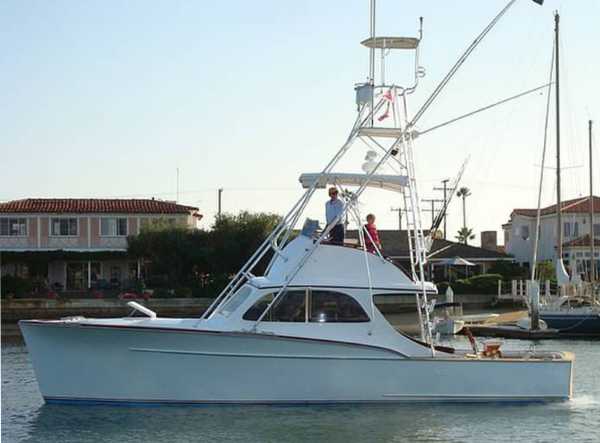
{"x": 577, "y": 205}
{"x": 94, "y": 206}
{"x": 582, "y": 241}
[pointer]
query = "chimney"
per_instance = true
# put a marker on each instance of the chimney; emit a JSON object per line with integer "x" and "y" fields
{"x": 489, "y": 240}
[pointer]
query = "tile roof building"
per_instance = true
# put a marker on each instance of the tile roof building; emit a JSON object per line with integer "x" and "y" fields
{"x": 576, "y": 229}
{"x": 84, "y": 240}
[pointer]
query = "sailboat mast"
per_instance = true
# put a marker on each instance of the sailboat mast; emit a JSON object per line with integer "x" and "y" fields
{"x": 558, "y": 198}
{"x": 592, "y": 238}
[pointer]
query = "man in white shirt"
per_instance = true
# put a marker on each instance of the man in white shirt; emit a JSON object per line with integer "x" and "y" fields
{"x": 334, "y": 209}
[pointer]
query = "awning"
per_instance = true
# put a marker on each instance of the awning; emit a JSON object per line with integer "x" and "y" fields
{"x": 382, "y": 181}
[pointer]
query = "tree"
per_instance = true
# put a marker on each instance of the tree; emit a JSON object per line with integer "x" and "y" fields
{"x": 234, "y": 238}
{"x": 464, "y": 192}
{"x": 545, "y": 271}
{"x": 183, "y": 256}
{"x": 175, "y": 252}
{"x": 464, "y": 235}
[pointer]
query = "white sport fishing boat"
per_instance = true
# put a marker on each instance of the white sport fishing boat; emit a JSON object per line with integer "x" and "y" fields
{"x": 307, "y": 330}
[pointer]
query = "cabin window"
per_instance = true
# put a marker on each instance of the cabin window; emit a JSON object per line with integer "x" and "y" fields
{"x": 236, "y": 300}
{"x": 321, "y": 306}
{"x": 335, "y": 307}
{"x": 290, "y": 307}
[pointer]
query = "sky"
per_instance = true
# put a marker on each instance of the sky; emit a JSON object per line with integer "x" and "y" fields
{"x": 108, "y": 99}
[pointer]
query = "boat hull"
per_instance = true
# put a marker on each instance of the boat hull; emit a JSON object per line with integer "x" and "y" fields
{"x": 573, "y": 324}
{"x": 75, "y": 363}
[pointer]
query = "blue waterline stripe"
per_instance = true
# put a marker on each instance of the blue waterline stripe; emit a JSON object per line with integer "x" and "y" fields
{"x": 391, "y": 399}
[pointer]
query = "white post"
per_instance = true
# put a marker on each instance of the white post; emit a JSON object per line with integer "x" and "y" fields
{"x": 89, "y": 285}
{"x": 450, "y": 298}
{"x": 547, "y": 289}
{"x": 534, "y": 297}
{"x": 39, "y": 232}
{"x": 521, "y": 289}
{"x": 499, "y": 288}
{"x": 513, "y": 289}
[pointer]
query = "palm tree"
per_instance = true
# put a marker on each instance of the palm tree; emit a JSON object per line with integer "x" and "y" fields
{"x": 464, "y": 192}
{"x": 465, "y": 234}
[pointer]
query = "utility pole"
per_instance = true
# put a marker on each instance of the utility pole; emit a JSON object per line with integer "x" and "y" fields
{"x": 445, "y": 189}
{"x": 399, "y": 211}
{"x": 177, "y": 194}
{"x": 433, "y": 201}
{"x": 220, "y": 193}
{"x": 592, "y": 237}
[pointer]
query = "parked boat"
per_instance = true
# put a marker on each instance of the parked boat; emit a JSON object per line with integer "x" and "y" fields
{"x": 307, "y": 330}
{"x": 573, "y": 315}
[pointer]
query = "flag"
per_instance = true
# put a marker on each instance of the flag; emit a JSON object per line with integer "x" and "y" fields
{"x": 388, "y": 96}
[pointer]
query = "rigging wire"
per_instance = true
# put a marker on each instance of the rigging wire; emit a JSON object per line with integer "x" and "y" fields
{"x": 440, "y": 87}
{"x": 485, "y": 108}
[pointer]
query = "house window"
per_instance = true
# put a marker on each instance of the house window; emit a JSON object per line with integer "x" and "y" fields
{"x": 76, "y": 276}
{"x": 13, "y": 227}
{"x": 113, "y": 227}
{"x": 597, "y": 230}
{"x": 63, "y": 227}
{"x": 524, "y": 232}
{"x": 575, "y": 229}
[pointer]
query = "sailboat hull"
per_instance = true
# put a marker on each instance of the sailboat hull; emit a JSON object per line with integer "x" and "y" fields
{"x": 76, "y": 363}
{"x": 574, "y": 324}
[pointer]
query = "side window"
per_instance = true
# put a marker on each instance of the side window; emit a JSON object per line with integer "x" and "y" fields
{"x": 290, "y": 307}
{"x": 335, "y": 307}
{"x": 236, "y": 300}
{"x": 324, "y": 307}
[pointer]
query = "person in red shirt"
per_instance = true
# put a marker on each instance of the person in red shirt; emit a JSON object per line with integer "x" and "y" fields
{"x": 373, "y": 234}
